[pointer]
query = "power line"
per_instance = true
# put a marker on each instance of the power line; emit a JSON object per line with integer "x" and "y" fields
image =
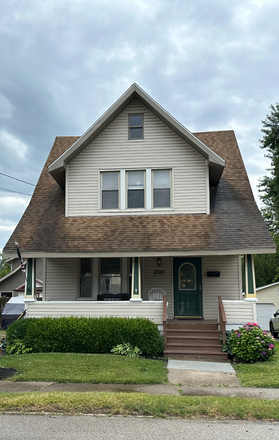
{"x": 10, "y": 177}
{"x": 17, "y": 192}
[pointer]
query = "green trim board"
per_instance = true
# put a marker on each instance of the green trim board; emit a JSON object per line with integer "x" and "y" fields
{"x": 250, "y": 288}
{"x": 29, "y": 277}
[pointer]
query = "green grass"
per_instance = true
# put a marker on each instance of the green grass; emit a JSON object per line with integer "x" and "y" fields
{"x": 261, "y": 374}
{"x": 85, "y": 368}
{"x": 141, "y": 404}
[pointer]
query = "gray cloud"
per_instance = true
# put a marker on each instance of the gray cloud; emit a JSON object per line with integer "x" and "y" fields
{"x": 212, "y": 64}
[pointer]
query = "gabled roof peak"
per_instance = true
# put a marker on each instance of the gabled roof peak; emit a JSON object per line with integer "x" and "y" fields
{"x": 57, "y": 168}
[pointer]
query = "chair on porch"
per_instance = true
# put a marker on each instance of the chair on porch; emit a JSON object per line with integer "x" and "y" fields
{"x": 156, "y": 294}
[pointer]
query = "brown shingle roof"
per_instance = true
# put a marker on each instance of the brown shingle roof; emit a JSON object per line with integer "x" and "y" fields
{"x": 234, "y": 223}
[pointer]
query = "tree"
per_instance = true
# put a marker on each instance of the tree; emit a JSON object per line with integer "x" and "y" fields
{"x": 4, "y": 267}
{"x": 267, "y": 266}
{"x": 269, "y": 185}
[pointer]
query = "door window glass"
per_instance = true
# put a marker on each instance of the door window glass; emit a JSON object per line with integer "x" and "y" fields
{"x": 187, "y": 277}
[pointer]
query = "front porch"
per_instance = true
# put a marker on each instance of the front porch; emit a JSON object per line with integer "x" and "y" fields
{"x": 184, "y": 338}
{"x": 120, "y": 287}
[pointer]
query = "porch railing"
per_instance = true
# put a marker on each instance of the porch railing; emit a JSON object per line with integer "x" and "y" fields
{"x": 222, "y": 319}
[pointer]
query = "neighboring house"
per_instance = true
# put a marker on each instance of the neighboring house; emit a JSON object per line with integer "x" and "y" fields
{"x": 138, "y": 202}
{"x": 268, "y": 303}
{"x": 13, "y": 284}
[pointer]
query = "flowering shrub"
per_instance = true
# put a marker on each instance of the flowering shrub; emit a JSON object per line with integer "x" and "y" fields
{"x": 250, "y": 344}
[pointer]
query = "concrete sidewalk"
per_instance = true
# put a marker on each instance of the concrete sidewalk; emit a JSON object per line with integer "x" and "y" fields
{"x": 186, "y": 378}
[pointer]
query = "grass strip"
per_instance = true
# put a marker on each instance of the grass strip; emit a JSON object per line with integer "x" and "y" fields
{"x": 260, "y": 374}
{"x": 216, "y": 408}
{"x": 85, "y": 368}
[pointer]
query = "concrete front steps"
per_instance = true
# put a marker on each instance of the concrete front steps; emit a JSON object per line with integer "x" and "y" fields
{"x": 194, "y": 340}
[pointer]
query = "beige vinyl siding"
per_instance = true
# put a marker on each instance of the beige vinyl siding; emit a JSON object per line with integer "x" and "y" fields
{"x": 112, "y": 150}
{"x": 128, "y": 309}
{"x": 61, "y": 279}
{"x": 227, "y": 285}
{"x": 164, "y": 281}
{"x": 269, "y": 295}
{"x": 240, "y": 312}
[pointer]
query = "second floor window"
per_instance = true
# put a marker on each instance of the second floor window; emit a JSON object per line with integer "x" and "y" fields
{"x": 110, "y": 184}
{"x": 135, "y": 196}
{"x": 147, "y": 189}
{"x": 161, "y": 189}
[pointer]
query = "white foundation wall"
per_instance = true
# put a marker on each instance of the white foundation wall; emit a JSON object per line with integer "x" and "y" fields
{"x": 112, "y": 150}
{"x": 227, "y": 285}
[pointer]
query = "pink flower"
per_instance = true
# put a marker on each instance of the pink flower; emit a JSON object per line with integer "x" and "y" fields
{"x": 271, "y": 346}
{"x": 254, "y": 324}
{"x": 269, "y": 349}
{"x": 249, "y": 323}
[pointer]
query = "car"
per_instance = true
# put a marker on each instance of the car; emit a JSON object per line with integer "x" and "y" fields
{"x": 274, "y": 324}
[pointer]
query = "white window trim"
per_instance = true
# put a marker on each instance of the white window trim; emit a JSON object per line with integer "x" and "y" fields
{"x": 148, "y": 190}
{"x": 126, "y": 189}
{"x": 152, "y": 188}
{"x": 100, "y": 191}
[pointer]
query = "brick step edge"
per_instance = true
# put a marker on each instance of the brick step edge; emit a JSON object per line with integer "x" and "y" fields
{"x": 207, "y": 353}
{"x": 195, "y": 337}
{"x": 193, "y": 330}
{"x": 179, "y": 344}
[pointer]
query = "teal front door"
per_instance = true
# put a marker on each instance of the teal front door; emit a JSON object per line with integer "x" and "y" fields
{"x": 187, "y": 288}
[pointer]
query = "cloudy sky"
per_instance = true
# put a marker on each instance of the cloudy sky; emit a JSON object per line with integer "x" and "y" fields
{"x": 212, "y": 64}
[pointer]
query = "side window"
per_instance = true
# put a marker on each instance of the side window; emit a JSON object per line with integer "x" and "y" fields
{"x": 135, "y": 126}
{"x": 110, "y": 190}
{"x": 110, "y": 277}
{"x": 135, "y": 189}
{"x": 161, "y": 189}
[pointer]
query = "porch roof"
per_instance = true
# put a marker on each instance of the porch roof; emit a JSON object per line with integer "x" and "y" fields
{"x": 234, "y": 223}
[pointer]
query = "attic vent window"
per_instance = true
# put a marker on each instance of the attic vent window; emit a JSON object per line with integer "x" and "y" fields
{"x": 135, "y": 126}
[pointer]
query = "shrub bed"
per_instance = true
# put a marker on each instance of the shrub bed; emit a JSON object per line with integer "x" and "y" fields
{"x": 250, "y": 344}
{"x": 86, "y": 335}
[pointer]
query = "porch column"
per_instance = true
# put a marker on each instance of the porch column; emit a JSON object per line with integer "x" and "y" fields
{"x": 30, "y": 283}
{"x": 136, "y": 280}
{"x": 250, "y": 284}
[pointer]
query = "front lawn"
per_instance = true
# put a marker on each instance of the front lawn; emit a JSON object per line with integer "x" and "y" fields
{"x": 85, "y": 368}
{"x": 260, "y": 374}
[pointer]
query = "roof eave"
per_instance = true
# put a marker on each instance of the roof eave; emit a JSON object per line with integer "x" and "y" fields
{"x": 151, "y": 253}
{"x": 57, "y": 168}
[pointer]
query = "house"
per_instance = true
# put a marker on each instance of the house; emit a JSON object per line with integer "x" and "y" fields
{"x": 268, "y": 303}
{"x": 138, "y": 202}
{"x": 13, "y": 284}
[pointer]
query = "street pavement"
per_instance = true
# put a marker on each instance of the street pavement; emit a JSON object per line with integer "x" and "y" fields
{"x": 34, "y": 427}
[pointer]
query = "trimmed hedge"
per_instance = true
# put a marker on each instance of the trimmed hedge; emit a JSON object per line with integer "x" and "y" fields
{"x": 86, "y": 335}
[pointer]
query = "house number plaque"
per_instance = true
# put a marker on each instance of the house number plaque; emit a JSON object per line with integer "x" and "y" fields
{"x": 159, "y": 272}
